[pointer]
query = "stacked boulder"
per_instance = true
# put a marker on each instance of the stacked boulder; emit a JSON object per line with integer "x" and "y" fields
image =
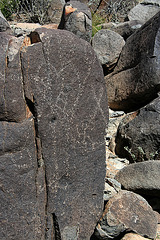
{"x": 133, "y": 86}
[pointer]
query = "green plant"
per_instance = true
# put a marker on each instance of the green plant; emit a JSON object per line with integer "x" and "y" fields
{"x": 8, "y": 7}
{"x": 97, "y": 20}
{"x": 30, "y": 10}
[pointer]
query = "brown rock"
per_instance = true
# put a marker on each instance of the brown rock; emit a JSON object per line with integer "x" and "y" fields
{"x": 133, "y": 236}
{"x": 12, "y": 102}
{"x": 128, "y": 211}
{"x": 65, "y": 88}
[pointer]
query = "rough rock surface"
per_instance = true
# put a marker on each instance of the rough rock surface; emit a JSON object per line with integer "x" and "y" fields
{"x": 55, "y": 10}
{"x": 125, "y": 29}
{"x": 12, "y": 102}
{"x": 141, "y": 177}
{"x": 138, "y": 136}
{"x": 144, "y": 10}
{"x": 108, "y": 46}
{"x": 127, "y": 211}
{"x": 4, "y": 25}
{"x": 135, "y": 80}
{"x": 133, "y": 236}
{"x": 78, "y": 22}
{"x": 65, "y": 88}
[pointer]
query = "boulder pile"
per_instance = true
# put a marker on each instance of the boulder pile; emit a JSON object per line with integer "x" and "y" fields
{"x": 56, "y": 179}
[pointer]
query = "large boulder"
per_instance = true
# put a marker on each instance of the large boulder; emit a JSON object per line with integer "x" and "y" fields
{"x": 144, "y": 10}
{"x": 127, "y": 211}
{"x": 138, "y": 136}
{"x": 78, "y": 21}
{"x": 136, "y": 78}
{"x": 108, "y": 45}
{"x": 65, "y": 90}
{"x": 142, "y": 178}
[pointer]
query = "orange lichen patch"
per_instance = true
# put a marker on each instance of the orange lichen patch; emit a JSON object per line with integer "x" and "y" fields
{"x": 69, "y": 9}
{"x": 28, "y": 112}
{"x": 26, "y": 42}
{"x": 50, "y": 26}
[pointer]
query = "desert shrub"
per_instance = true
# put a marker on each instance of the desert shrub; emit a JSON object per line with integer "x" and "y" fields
{"x": 8, "y": 7}
{"x": 31, "y": 10}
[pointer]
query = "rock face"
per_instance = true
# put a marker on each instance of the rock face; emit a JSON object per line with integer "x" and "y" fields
{"x": 144, "y": 10}
{"x": 141, "y": 177}
{"x": 107, "y": 45}
{"x": 79, "y": 21}
{"x": 55, "y": 10}
{"x": 135, "y": 80}
{"x": 4, "y": 25}
{"x": 125, "y": 29}
{"x": 64, "y": 89}
{"x": 138, "y": 136}
{"x": 127, "y": 211}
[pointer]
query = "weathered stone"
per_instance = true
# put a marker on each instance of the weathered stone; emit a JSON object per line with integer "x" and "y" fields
{"x": 127, "y": 211}
{"x": 138, "y": 137}
{"x": 12, "y": 102}
{"x": 20, "y": 29}
{"x": 79, "y": 21}
{"x": 125, "y": 29}
{"x": 108, "y": 46}
{"x": 135, "y": 80}
{"x": 20, "y": 216}
{"x": 141, "y": 177}
{"x": 55, "y": 10}
{"x": 133, "y": 236}
{"x": 65, "y": 85}
{"x": 145, "y": 10}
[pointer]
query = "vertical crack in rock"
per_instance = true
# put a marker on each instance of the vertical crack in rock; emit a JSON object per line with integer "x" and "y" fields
{"x": 40, "y": 178}
{"x": 57, "y": 233}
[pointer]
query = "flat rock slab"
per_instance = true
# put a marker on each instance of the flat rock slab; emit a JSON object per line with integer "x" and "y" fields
{"x": 128, "y": 211}
{"x": 141, "y": 177}
{"x": 64, "y": 81}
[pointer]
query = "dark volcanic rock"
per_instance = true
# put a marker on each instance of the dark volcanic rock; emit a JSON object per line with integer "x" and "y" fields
{"x": 141, "y": 177}
{"x": 138, "y": 136}
{"x": 64, "y": 81}
{"x": 20, "y": 216}
{"x": 136, "y": 78}
{"x": 78, "y": 22}
{"x": 127, "y": 211}
{"x": 12, "y": 102}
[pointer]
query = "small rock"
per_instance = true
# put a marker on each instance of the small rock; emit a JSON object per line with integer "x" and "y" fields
{"x": 141, "y": 177}
{"x": 127, "y": 211}
{"x": 108, "y": 46}
{"x": 133, "y": 236}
